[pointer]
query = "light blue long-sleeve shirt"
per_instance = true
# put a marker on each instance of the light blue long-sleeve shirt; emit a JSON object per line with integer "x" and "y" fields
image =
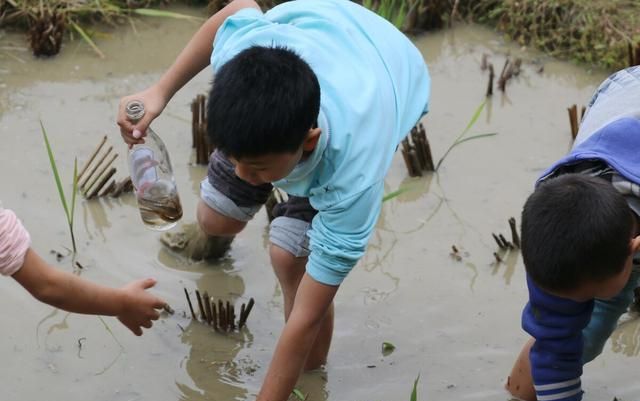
{"x": 374, "y": 87}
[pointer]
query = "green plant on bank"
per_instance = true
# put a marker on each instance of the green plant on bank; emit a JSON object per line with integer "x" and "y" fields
{"x": 69, "y": 212}
{"x": 75, "y": 13}
{"x": 395, "y": 11}
{"x": 596, "y": 32}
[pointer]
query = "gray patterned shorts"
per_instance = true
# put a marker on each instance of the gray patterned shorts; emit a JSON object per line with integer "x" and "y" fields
{"x": 230, "y": 196}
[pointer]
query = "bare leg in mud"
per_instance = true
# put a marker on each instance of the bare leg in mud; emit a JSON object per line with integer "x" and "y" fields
{"x": 289, "y": 271}
{"x": 192, "y": 241}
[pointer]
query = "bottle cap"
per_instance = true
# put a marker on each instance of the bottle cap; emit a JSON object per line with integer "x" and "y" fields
{"x": 134, "y": 110}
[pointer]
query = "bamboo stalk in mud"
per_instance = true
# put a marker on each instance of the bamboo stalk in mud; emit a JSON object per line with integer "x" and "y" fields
{"x": 501, "y": 245}
{"x": 200, "y": 307}
{"x": 222, "y": 315}
{"x": 207, "y": 306}
{"x": 515, "y": 238}
{"x": 491, "y": 77}
{"x": 573, "y": 120}
{"x": 93, "y": 170}
{"x": 245, "y": 316}
{"x": 101, "y": 183}
{"x": 93, "y": 156}
{"x": 193, "y": 314}
{"x": 214, "y": 314}
{"x": 109, "y": 189}
{"x": 97, "y": 176}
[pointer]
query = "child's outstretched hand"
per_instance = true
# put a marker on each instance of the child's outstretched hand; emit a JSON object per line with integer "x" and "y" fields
{"x": 154, "y": 102}
{"x": 139, "y": 307}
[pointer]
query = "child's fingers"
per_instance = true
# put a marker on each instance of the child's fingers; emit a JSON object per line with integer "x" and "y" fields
{"x": 154, "y": 315}
{"x": 147, "y": 283}
{"x": 159, "y": 303}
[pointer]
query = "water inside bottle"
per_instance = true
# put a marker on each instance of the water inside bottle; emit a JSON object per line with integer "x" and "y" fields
{"x": 159, "y": 205}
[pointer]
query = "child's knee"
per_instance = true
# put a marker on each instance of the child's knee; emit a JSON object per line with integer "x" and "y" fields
{"x": 215, "y": 224}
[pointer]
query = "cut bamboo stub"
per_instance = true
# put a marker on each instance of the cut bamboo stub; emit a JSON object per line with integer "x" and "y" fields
{"x": 199, "y": 130}
{"x": 574, "y": 122}
{"x": 416, "y": 152}
{"x": 491, "y": 77}
{"x": 634, "y": 54}
{"x": 221, "y": 315}
{"x": 509, "y": 70}
{"x": 94, "y": 176}
{"x": 515, "y": 238}
{"x": 502, "y": 242}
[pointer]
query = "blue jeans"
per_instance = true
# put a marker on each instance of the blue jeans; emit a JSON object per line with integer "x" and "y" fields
{"x": 605, "y": 317}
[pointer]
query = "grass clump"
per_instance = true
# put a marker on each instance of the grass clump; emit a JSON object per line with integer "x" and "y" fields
{"x": 596, "y": 32}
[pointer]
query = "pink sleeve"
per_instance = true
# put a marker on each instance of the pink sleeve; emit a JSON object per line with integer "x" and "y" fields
{"x": 14, "y": 242}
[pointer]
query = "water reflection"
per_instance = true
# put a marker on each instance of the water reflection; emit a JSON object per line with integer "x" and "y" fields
{"x": 217, "y": 362}
{"x": 626, "y": 339}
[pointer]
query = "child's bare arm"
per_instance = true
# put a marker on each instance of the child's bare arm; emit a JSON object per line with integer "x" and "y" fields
{"x": 311, "y": 304}
{"x": 520, "y": 383}
{"x": 133, "y": 306}
{"x": 194, "y": 57}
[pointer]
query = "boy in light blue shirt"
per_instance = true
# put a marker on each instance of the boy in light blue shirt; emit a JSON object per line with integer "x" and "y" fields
{"x": 312, "y": 97}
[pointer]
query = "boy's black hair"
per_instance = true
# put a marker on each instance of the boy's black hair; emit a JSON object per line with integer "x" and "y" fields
{"x": 264, "y": 100}
{"x": 575, "y": 228}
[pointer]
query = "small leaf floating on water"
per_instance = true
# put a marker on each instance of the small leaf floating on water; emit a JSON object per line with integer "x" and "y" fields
{"x": 387, "y": 348}
{"x": 299, "y": 394}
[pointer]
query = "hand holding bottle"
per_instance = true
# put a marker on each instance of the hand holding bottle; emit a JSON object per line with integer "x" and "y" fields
{"x": 154, "y": 100}
{"x": 152, "y": 175}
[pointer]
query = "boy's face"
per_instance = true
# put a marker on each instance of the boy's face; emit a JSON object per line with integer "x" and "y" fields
{"x": 263, "y": 169}
{"x": 609, "y": 288}
{"x": 267, "y": 168}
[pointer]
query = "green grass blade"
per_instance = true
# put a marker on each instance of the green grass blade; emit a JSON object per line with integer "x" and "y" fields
{"x": 460, "y": 139}
{"x": 395, "y": 193}
{"x": 88, "y": 39}
{"x": 150, "y": 12}
{"x": 475, "y": 117}
{"x": 414, "y": 393}
{"x": 75, "y": 189}
{"x": 475, "y": 137}
{"x": 54, "y": 168}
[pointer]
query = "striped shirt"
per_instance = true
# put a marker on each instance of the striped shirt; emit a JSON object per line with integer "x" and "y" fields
{"x": 14, "y": 242}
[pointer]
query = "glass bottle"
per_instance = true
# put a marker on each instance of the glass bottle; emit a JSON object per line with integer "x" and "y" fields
{"x": 152, "y": 177}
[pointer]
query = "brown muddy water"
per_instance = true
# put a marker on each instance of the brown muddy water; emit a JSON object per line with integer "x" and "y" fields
{"x": 456, "y": 323}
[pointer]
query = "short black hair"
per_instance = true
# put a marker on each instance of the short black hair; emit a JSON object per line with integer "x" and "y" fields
{"x": 263, "y": 100}
{"x": 575, "y": 229}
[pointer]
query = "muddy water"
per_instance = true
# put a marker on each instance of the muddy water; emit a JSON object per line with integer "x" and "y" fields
{"x": 454, "y": 321}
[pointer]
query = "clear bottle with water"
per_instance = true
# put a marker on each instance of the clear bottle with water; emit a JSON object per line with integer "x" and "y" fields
{"x": 152, "y": 177}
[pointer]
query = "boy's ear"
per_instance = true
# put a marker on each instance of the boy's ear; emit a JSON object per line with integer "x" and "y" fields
{"x": 635, "y": 244}
{"x": 311, "y": 140}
